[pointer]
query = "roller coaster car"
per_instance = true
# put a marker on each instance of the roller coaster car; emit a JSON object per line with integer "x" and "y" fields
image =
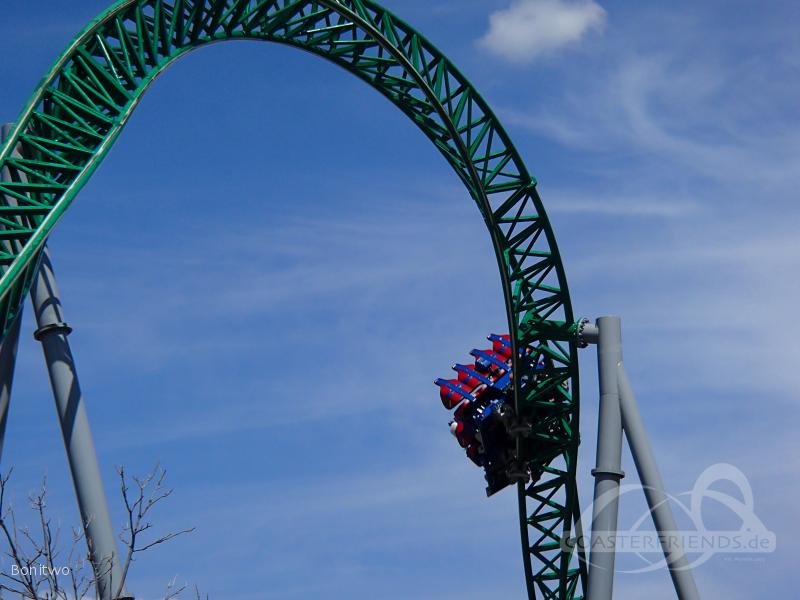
{"x": 483, "y": 424}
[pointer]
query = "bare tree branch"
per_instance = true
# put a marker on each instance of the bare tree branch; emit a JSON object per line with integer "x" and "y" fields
{"x": 150, "y": 492}
{"x": 37, "y": 572}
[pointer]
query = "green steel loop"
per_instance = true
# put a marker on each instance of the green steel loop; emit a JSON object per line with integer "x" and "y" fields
{"x": 84, "y": 101}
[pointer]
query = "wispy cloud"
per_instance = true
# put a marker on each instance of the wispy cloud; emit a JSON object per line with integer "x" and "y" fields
{"x": 372, "y": 264}
{"x": 574, "y": 202}
{"x": 671, "y": 127}
{"x": 677, "y": 108}
{"x": 345, "y": 526}
{"x": 530, "y": 29}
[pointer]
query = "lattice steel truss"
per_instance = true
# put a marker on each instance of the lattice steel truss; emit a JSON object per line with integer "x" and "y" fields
{"x": 85, "y": 100}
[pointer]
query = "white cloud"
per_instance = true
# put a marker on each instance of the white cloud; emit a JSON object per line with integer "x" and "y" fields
{"x": 529, "y": 29}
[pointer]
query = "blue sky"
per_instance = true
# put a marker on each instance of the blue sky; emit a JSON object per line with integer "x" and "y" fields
{"x": 267, "y": 273}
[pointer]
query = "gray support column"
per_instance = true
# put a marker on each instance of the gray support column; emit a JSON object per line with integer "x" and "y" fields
{"x": 52, "y": 333}
{"x": 650, "y": 477}
{"x": 8, "y": 347}
{"x": 608, "y": 471}
{"x": 8, "y": 360}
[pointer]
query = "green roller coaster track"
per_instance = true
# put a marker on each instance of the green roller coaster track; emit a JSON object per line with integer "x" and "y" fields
{"x": 82, "y": 104}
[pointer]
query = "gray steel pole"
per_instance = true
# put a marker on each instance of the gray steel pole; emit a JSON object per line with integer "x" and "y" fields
{"x": 650, "y": 477}
{"x": 608, "y": 471}
{"x": 8, "y": 360}
{"x": 8, "y": 347}
{"x": 52, "y": 333}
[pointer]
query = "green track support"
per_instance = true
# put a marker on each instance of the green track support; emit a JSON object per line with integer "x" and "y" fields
{"x": 82, "y": 104}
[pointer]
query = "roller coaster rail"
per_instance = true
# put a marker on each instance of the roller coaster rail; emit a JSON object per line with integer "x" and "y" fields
{"x": 83, "y": 103}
